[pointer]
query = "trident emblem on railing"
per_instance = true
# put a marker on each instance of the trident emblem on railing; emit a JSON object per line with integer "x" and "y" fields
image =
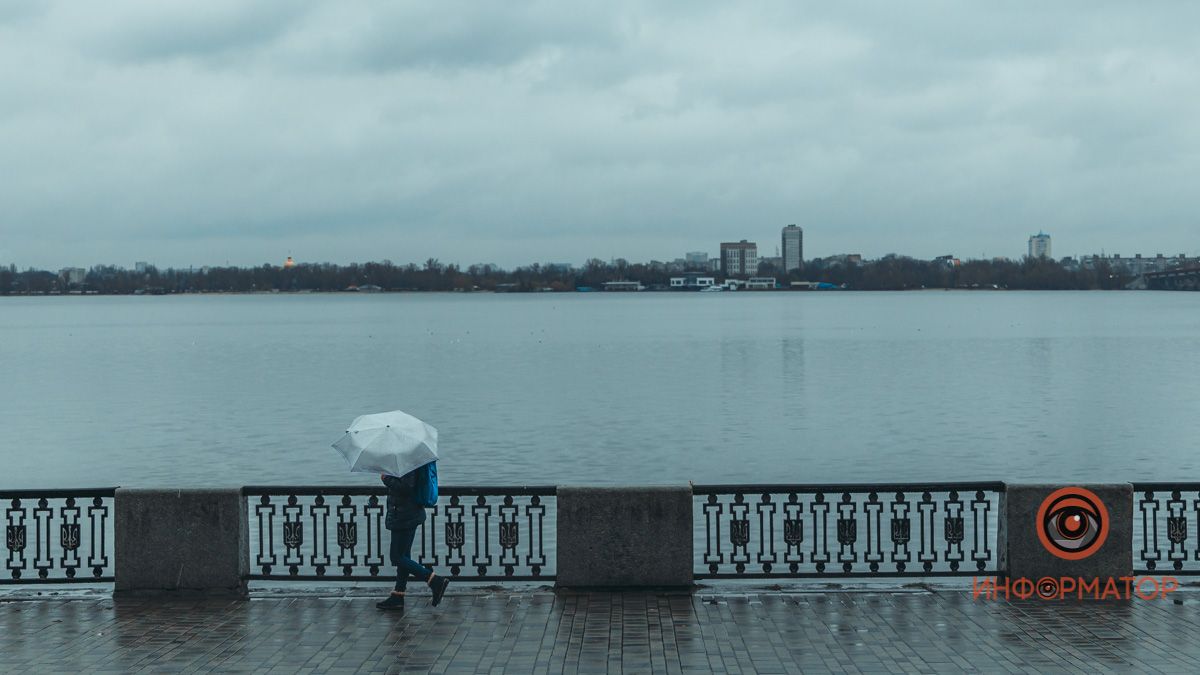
{"x": 509, "y": 535}
{"x": 739, "y": 532}
{"x": 793, "y": 531}
{"x": 901, "y": 531}
{"x": 847, "y": 530}
{"x": 14, "y": 537}
{"x": 69, "y": 536}
{"x": 455, "y": 535}
{"x": 293, "y": 534}
{"x": 954, "y": 530}
{"x": 1177, "y": 529}
{"x": 347, "y": 534}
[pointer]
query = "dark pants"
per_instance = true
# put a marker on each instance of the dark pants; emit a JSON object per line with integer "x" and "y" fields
{"x": 402, "y": 541}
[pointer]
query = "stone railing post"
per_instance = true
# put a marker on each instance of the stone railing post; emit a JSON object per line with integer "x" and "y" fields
{"x": 1046, "y": 531}
{"x": 625, "y": 537}
{"x": 181, "y": 540}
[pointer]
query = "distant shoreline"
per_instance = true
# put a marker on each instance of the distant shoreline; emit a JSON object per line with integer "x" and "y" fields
{"x": 606, "y": 293}
{"x": 890, "y": 272}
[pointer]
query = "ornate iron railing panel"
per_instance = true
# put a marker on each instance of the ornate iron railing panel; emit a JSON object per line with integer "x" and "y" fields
{"x": 1165, "y": 518}
{"x": 57, "y": 536}
{"x": 337, "y": 533}
{"x": 852, "y": 530}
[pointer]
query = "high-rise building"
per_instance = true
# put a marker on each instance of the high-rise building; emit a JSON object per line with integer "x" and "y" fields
{"x": 793, "y": 248}
{"x": 1039, "y": 245}
{"x": 739, "y": 259}
{"x": 696, "y": 259}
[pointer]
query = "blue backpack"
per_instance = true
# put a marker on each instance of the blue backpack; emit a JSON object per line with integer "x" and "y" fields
{"x": 427, "y": 485}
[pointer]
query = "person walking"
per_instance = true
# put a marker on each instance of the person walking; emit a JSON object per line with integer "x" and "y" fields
{"x": 404, "y": 515}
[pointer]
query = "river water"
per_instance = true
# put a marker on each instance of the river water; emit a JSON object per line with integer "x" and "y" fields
{"x": 605, "y": 388}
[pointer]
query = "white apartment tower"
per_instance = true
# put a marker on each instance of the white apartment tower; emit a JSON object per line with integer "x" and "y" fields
{"x": 1039, "y": 245}
{"x": 793, "y": 248}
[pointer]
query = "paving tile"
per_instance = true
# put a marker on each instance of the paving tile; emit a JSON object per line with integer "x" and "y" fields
{"x": 636, "y": 632}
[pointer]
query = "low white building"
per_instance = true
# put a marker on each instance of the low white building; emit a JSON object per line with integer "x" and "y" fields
{"x": 623, "y": 286}
{"x": 692, "y": 282}
{"x": 760, "y": 284}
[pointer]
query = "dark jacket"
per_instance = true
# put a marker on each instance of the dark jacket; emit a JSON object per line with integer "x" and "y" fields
{"x": 403, "y": 511}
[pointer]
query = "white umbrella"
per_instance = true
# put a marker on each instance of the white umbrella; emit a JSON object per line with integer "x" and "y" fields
{"x": 392, "y": 442}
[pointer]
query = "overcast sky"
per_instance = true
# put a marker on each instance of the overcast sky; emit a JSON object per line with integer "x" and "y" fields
{"x": 520, "y": 132}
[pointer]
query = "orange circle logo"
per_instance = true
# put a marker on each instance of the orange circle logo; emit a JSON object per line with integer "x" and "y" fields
{"x": 1072, "y": 523}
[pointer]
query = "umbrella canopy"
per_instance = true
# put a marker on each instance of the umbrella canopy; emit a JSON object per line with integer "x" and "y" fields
{"x": 392, "y": 442}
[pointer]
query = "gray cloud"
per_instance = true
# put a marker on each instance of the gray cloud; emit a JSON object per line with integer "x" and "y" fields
{"x": 557, "y": 131}
{"x": 148, "y": 32}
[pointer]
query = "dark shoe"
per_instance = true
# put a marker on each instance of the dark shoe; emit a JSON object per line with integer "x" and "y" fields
{"x": 439, "y": 589}
{"x": 392, "y": 602}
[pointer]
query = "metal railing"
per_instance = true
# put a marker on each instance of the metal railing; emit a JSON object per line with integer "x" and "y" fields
{"x": 57, "y": 536}
{"x": 851, "y": 530}
{"x": 491, "y": 533}
{"x": 337, "y": 533}
{"x": 1165, "y": 519}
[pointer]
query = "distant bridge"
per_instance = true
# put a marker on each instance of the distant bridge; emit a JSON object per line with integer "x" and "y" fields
{"x": 1173, "y": 280}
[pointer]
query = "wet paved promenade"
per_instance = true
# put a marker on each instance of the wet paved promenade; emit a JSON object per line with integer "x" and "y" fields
{"x": 536, "y": 630}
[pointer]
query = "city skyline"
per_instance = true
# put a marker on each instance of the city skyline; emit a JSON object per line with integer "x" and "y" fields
{"x": 205, "y": 132}
{"x": 686, "y": 256}
{"x": 767, "y": 245}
